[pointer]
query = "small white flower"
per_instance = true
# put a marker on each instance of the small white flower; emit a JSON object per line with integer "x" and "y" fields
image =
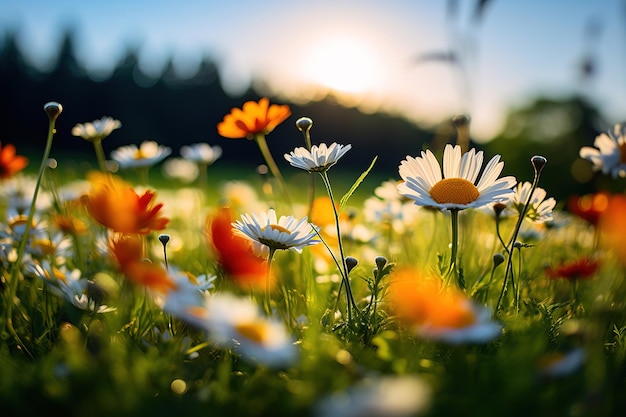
{"x": 319, "y": 158}
{"x": 181, "y": 169}
{"x": 539, "y": 208}
{"x": 149, "y": 153}
{"x": 388, "y": 396}
{"x": 267, "y": 232}
{"x": 201, "y": 153}
{"x": 96, "y": 130}
{"x": 237, "y": 323}
{"x": 457, "y": 189}
{"x": 68, "y": 285}
{"x": 609, "y": 154}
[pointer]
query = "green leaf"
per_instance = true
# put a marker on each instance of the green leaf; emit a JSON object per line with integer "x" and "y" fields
{"x": 356, "y": 184}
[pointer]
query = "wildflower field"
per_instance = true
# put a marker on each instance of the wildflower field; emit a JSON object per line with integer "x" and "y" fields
{"x": 448, "y": 289}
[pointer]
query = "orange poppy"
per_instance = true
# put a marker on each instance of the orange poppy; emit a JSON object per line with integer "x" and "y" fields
{"x": 114, "y": 204}
{"x": 10, "y": 163}
{"x": 613, "y": 228}
{"x": 234, "y": 253}
{"x": 253, "y": 119}
{"x": 127, "y": 251}
{"x": 420, "y": 300}
{"x": 589, "y": 207}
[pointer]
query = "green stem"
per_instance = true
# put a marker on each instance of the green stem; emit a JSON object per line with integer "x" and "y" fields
{"x": 16, "y": 267}
{"x": 344, "y": 268}
{"x": 102, "y": 162}
{"x": 454, "y": 217}
{"x": 269, "y": 160}
{"x": 267, "y": 304}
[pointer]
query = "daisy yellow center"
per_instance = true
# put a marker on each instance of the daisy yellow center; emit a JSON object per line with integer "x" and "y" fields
{"x": 45, "y": 246}
{"x": 279, "y": 228}
{"x": 57, "y": 274}
{"x": 454, "y": 191}
{"x": 139, "y": 154}
{"x": 255, "y": 330}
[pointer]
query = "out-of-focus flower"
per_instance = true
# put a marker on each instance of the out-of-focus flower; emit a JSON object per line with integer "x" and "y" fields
{"x": 457, "y": 189}
{"x": 10, "y": 163}
{"x": 539, "y": 208}
{"x": 237, "y": 323}
{"x": 268, "y": 233}
{"x": 201, "y": 153}
{"x": 583, "y": 268}
{"x": 234, "y": 253}
{"x": 96, "y": 130}
{"x": 181, "y": 169}
{"x": 252, "y": 119}
{"x": 589, "y": 207}
{"x": 67, "y": 284}
{"x": 558, "y": 364}
{"x": 388, "y": 396}
{"x": 127, "y": 251}
{"x": 609, "y": 154}
{"x": 319, "y": 158}
{"x": 148, "y": 153}
{"x": 190, "y": 291}
{"x": 17, "y": 193}
{"x": 612, "y": 227}
{"x": 439, "y": 313}
{"x": 116, "y": 205}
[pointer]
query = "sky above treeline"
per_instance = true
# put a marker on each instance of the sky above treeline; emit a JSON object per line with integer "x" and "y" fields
{"x": 423, "y": 59}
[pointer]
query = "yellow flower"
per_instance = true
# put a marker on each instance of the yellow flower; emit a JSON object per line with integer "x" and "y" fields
{"x": 253, "y": 119}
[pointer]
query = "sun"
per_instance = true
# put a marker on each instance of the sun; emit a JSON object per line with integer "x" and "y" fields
{"x": 343, "y": 64}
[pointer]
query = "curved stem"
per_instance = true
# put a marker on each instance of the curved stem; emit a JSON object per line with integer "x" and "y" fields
{"x": 269, "y": 160}
{"x": 267, "y": 304}
{"x": 344, "y": 268}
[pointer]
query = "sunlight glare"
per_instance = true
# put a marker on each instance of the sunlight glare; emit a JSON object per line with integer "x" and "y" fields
{"x": 344, "y": 65}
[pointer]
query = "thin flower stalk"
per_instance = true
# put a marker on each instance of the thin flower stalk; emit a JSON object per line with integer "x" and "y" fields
{"x": 53, "y": 110}
{"x": 538, "y": 163}
{"x": 269, "y": 160}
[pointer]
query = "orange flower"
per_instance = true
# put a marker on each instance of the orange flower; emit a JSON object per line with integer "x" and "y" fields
{"x": 589, "y": 207}
{"x": 419, "y": 300}
{"x": 114, "y": 204}
{"x": 612, "y": 226}
{"x": 127, "y": 251}
{"x": 253, "y": 119}
{"x": 10, "y": 163}
{"x": 234, "y": 253}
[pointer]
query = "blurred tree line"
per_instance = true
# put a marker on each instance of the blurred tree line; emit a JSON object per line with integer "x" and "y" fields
{"x": 177, "y": 111}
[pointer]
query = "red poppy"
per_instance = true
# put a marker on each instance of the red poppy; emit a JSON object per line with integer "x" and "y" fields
{"x": 234, "y": 253}
{"x": 583, "y": 268}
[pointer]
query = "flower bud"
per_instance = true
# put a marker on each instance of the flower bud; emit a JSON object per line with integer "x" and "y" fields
{"x": 304, "y": 124}
{"x": 498, "y": 259}
{"x": 351, "y": 263}
{"x": 53, "y": 109}
{"x": 381, "y": 261}
{"x": 538, "y": 162}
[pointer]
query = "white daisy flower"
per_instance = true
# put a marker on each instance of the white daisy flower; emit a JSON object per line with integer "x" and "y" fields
{"x": 181, "y": 169}
{"x": 237, "y": 323}
{"x": 319, "y": 158}
{"x": 96, "y": 130}
{"x": 201, "y": 153}
{"x": 68, "y": 285}
{"x": 457, "y": 189}
{"x": 149, "y": 153}
{"x": 539, "y": 208}
{"x": 609, "y": 154}
{"x": 379, "y": 396}
{"x": 267, "y": 232}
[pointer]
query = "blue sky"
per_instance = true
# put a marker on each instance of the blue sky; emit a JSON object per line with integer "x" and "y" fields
{"x": 521, "y": 49}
